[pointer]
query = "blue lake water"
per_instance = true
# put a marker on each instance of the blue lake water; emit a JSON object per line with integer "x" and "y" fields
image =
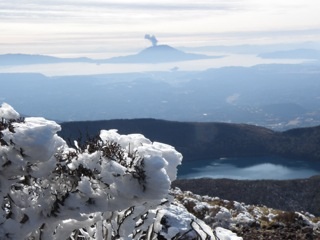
{"x": 249, "y": 168}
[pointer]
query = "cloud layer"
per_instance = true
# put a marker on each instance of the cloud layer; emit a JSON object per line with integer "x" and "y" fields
{"x": 100, "y": 23}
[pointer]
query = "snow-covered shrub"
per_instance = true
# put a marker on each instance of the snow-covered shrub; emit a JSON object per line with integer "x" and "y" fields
{"x": 113, "y": 187}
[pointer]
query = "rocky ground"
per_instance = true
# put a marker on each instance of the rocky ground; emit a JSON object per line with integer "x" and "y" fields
{"x": 250, "y": 222}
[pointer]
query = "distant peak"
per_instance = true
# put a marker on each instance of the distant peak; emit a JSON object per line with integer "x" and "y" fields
{"x": 162, "y": 48}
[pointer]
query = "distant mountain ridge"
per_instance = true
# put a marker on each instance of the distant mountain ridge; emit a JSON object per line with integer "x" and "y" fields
{"x": 208, "y": 140}
{"x": 154, "y": 54}
{"x": 292, "y": 54}
{"x": 28, "y": 59}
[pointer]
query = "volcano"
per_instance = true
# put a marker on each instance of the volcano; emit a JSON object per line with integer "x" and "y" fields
{"x": 158, "y": 54}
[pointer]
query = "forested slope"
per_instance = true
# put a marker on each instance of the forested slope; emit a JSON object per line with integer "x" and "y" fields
{"x": 198, "y": 141}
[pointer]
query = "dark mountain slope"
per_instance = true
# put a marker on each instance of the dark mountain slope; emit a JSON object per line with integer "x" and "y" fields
{"x": 198, "y": 141}
{"x": 289, "y": 195}
{"x": 298, "y": 143}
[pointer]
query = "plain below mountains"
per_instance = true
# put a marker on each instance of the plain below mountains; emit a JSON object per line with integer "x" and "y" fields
{"x": 207, "y": 140}
{"x": 154, "y": 54}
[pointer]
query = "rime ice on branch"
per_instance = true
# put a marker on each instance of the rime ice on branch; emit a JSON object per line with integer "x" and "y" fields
{"x": 113, "y": 187}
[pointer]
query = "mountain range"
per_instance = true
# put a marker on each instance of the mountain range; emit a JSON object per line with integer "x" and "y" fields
{"x": 154, "y": 54}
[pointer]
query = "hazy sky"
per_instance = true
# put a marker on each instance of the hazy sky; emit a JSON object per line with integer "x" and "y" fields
{"x": 66, "y": 27}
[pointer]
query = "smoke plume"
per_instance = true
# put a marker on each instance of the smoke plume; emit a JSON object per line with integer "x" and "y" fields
{"x": 152, "y": 39}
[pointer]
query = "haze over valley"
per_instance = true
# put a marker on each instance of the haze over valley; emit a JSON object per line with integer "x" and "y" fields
{"x": 278, "y": 96}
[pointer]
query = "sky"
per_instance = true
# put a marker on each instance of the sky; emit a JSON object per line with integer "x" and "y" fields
{"x": 82, "y": 28}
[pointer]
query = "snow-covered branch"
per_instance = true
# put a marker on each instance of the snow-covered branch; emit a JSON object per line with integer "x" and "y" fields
{"x": 112, "y": 187}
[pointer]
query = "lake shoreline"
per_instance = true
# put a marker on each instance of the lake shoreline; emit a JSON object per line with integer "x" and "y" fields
{"x": 249, "y": 168}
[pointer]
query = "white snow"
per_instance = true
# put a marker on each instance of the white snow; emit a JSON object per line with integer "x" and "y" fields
{"x": 225, "y": 234}
{"x": 63, "y": 189}
{"x": 7, "y": 112}
{"x": 36, "y": 137}
{"x": 171, "y": 156}
{"x": 244, "y": 217}
{"x": 181, "y": 221}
